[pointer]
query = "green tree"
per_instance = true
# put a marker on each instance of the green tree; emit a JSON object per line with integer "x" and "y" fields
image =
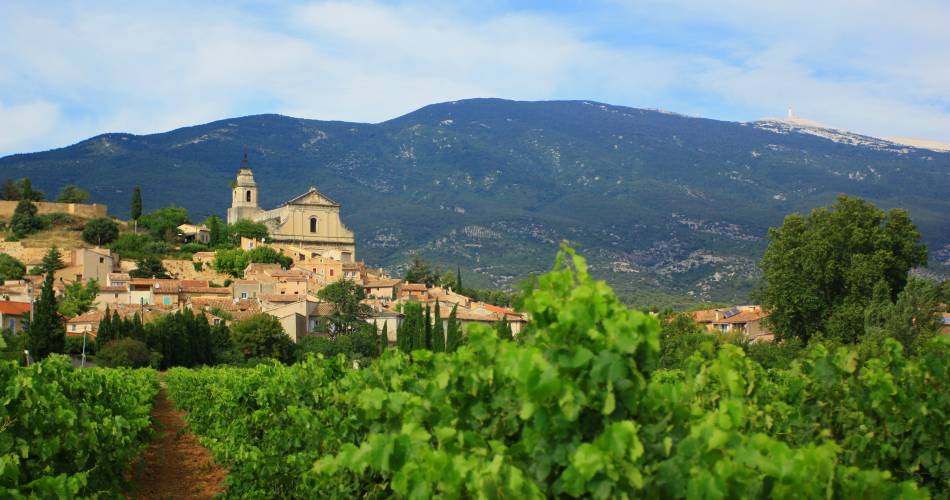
{"x": 216, "y": 230}
{"x": 458, "y": 279}
{"x": 453, "y": 331}
{"x": 267, "y": 255}
{"x": 78, "y": 298}
{"x": 28, "y": 193}
{"x": 427, "y": 327}
{"x": 52, "y": 262}
{"x": 438, "y": 331}
{"x": 72, "y": 194}
{"x": 384, "y": 338}
{"x": 421, "y": 271}
{"x": 349, "y": 312}
{"x": 10, "y": 268}
{"x": 247, "y": 229}
{"x": 163, "y": 223}
{"x": 124, "y": 352}
{"x": 45, "y": 332}
{"x": 261, "y": 336}
{"x": 503, "y": 329}
{"x": 100, "y": 231}
{"x": 819, "y": 270}
{"x": 25, "y": 221}
{"x": 916, "y": 315}
{"x": 231, "y": 261}
{"x": 106, "y": 332}
{"x": 149, "y": 267}
{"x": 10, "y": 190}
{"x": 136, "y": 207}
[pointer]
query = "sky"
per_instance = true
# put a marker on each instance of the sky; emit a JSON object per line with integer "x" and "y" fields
{"x": 72, "y": 70}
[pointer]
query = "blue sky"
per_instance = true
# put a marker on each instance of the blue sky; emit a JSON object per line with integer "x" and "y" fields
{"x": 70, "y": 70}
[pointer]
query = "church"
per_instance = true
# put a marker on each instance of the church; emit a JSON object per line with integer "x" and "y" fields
{"x": 310, "y": 220}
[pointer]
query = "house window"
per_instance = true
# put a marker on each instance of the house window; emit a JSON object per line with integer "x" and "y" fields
{"x": 167, "y": 301}
{"x": 101, "y": 260}
{"x": 243, "y": 295}
{"x": 331, "y": 272}
{"x": 248, "y": 195}
{"x": 117, "y": 295}
{"x": 12, "y": 324}
{"x": 313, "y": 224}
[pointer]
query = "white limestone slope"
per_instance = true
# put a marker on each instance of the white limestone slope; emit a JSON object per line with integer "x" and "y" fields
{"x": 805, "y": 126}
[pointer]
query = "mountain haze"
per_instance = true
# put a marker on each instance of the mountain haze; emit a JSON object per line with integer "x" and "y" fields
{"x": 662, "y": 204}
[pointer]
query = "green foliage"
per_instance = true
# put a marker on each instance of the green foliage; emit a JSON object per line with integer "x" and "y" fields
{"x": 70, "y": 433}
{"x": 217, "y": 230}
{"x": 149, "y": 267}
{"x": 135, "y": 209}
{"x": 421, "y": 271}
{"x": 72, "y": 194}
{"x": 25, "y": 221}
{"x": 453, "y": 331}
{"x": 361, "y": 345}
{"x": 261, "y": 336}
{"x": 10, "y": 191}
{"x": 10, "y": 268}
{"x": 78, "y": 298}
{"x": 136, "y": 246}
{"x": 820, "y": 270}
{"x": 60, "y": 219}
{"x": 45, "y": 333}
{"x": 411, "y": 334}
{"x": 438, "y": 331}
{"x": 180, "y": 339}
{"x": 52, "y": 262}
{"x": 162, "y": 224}
{"x": 100, "y": 231}
{"x": 577, "y": 409}
{"x": 247, "y": 229}
{"x": 916, "y": 315}
{"x": 349, "y": 312}
{"x": 233, "y": 261}
{"x": 124, "y": 352}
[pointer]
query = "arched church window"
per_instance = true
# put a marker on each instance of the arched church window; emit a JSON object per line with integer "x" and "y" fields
{"x": 248, "y": 196}
{"x": 313, "y": 224}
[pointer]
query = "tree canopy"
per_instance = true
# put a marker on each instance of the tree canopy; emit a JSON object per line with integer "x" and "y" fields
{"x": 819, "y": 270}
{"x": 100, "y": 231}
{"x": 78, "y": 298}
{"x": 261, "y": 336}
{"x": 349, "y": 313}
{"x": 72, "y": 194}
{"x": 247, "y": 229}
{"x": 11, "y": 268}
{"x": 163, "y": 223}
{"x": 422, "y": 271}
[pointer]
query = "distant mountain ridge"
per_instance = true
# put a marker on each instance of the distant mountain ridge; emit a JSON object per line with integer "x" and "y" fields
{"x": 662, "y": 204}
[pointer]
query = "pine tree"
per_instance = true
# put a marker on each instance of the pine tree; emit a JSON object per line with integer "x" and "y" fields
{"x": 24, "y": 220}
{"x": 428, "y": 327}
{"x": 52, "y": 261}
{"x": 438, "y": 332}
{"x": 453, "y": 332}
{"x": 45, "y": 333}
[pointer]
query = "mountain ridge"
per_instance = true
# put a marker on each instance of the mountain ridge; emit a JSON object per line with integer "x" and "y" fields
{"x": 662, "y": 203}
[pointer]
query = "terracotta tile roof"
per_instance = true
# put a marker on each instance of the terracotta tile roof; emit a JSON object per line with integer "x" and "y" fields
{"x": 112, "y": 289}
{"x": 119, "y": 276}
{"x": 383, "y": 283}
{"x": 276, "y": 297}
{"x": 246, "y": 282}
{"x": 194, "y": 283}
{"x": 414, "y": 287}
{"x": 14, "y": 308}
{"x": 206, "y": 289}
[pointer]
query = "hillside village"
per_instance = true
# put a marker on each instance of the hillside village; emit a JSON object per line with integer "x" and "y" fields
{"x": 307, "y": 231}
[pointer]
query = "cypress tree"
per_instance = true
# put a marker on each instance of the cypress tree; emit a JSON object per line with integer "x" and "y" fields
{"x": 438, "y": 332}
{"x": 428, "y": 327}
{"x": 458, "y": 278}
{"x": 105, "y": 332}
{"x": 384, "y": 338}
{"x": 453, "y": 332}
{"x": 136, "y": 208}
{"x": 45, "y": 333}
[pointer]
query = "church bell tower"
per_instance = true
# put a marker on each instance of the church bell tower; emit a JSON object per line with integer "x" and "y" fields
{"x": 243, "y": 195}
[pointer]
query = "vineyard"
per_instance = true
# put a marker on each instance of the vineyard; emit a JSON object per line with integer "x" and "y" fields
{"x": 71, "y": 433}
{"x": 576, "y": 406}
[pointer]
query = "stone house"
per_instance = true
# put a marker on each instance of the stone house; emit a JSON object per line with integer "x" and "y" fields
{"x": 14, "y": 315}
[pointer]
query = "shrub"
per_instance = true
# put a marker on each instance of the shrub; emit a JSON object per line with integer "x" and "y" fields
{"x": 124, "y": 352}
{"x": 100, "y": 231}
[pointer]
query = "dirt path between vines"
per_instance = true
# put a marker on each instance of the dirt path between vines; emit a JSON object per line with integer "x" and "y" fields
{"x": 175, "y": 465}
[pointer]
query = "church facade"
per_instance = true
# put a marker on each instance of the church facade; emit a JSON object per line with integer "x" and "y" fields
{"x": 310, "y": 220}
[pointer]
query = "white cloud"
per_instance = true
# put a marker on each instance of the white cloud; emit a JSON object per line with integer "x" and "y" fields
{"x": 91, "y": 68}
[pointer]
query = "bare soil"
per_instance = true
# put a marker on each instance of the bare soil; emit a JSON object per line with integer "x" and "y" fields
{"x": 175, "y": 464}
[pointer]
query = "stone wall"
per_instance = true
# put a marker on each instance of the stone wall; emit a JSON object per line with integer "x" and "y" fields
{"x": 81, "y": 210}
